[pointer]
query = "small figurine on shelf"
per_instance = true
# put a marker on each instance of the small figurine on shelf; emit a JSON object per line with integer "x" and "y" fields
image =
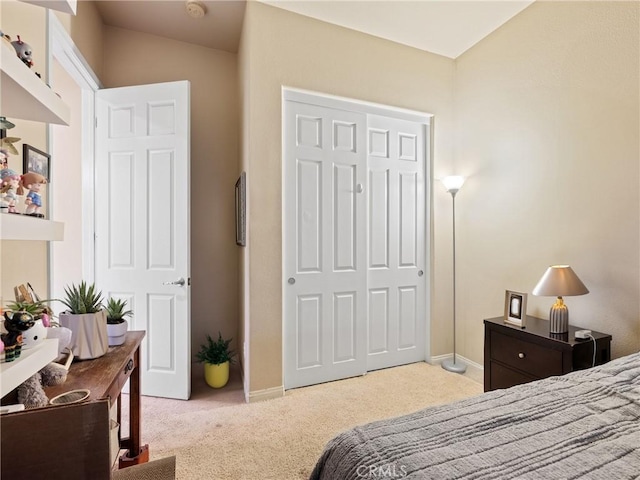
{"x": 9, "y": 181}
{"x": 15, "y": 323}
{"x": 33, "y": 182}
{"x": 4, "y": 159}
{"x": 24, "y": 52}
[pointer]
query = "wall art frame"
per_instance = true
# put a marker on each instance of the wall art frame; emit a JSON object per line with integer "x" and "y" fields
{"x": 241, "y": 210}
{"x": 515, "y": 308}
{"x": 37, "y": 161}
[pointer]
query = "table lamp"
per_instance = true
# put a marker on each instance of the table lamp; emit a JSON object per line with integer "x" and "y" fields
{"x": 559, "y": 281}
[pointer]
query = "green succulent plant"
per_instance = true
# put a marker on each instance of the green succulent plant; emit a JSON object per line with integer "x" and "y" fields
{"x": 215, "y": 352}
{"x": 82, "y": 298}
{"x": 116, "y": 312}
{"x": 34, "y": 308}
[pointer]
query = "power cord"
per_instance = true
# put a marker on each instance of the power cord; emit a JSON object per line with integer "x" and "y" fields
{"x": 583, "y": 335}
{"x": 593, "y": 363}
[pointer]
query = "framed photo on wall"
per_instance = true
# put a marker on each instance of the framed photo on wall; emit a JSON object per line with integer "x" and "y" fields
{"x": 37, "y": 161}
{"x": 515, "y": 308}
{"x": 241, "y": 210}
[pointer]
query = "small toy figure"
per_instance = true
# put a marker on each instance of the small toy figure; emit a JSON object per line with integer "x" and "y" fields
{"x": 9, "y": 181}
{"x": 32, "y": 182}
{"x": 24, "y": 52}
{"x": 4, "y": 159}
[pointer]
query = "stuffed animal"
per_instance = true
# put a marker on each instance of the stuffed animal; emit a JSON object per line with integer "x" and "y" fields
{"x": 31, "y": 393}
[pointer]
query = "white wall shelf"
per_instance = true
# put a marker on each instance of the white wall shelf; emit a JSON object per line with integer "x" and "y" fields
{"x": 31, "y": 360}
{"x": 64, "y": 6}
{"x": 24, "y": 227}
{"x": 24, "y": 95}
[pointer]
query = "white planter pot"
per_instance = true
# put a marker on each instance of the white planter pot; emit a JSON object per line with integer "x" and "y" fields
{"x": 88, "y": 333}
{"x": 116, "y": 333}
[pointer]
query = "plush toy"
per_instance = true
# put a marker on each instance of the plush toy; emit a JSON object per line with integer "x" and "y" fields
{"x": 31, "y": 393}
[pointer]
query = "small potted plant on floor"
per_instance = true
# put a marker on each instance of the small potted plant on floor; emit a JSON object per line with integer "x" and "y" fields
{"x": 86, "y": 319}
{"x": 216, "y": 357}
{"x": 116, "y": 320}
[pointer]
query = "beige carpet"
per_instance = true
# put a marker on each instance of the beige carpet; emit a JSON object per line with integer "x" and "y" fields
{"x": 282, "y": 438}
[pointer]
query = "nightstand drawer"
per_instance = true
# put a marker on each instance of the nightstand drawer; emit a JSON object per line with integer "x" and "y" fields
{"x": 505, "y": 377}
{"x": 528, "y": 357}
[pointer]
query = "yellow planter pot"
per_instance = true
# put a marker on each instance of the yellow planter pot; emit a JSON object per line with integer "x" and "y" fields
{"x": 216, "y": 376}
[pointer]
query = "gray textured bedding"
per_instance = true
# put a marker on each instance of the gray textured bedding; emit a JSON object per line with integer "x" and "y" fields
{"x": 582, "y": 425}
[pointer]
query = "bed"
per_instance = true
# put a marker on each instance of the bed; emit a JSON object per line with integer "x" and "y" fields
{"x": 585, "y": 424}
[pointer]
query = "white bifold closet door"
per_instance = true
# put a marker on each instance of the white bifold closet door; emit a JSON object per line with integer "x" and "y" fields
{"x": 354, "y": 243}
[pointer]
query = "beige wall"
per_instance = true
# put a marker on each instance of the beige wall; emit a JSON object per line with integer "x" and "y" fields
{"x": 547, "y": 124}
{"x": 132, "y": 58}
{"x": 22, "y": 262}
{"x": 244, "y": 66}
{"x": 291, "y": 50}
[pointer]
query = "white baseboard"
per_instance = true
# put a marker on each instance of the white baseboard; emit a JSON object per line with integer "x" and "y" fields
{"x": 266, "y": 394}
{"x": 475, "y": 371}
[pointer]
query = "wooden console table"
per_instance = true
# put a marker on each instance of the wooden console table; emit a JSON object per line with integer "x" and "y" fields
{"x": 72, "y": 441}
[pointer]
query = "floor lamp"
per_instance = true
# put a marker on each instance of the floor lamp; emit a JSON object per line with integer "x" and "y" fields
{"x": 453, "y": 184}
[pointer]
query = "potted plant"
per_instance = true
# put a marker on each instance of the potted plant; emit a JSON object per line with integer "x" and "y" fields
{"x": 116, "y": 320}
{"x": 39, "y": 314}
{"x": 86, "y": 319}
{"x": 216, "y": 357}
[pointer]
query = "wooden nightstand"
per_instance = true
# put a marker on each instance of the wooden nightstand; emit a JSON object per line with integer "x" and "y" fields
{"x": 514, "y": 355}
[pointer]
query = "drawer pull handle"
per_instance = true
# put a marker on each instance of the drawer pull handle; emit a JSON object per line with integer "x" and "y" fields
{"x": 129, "y": 366}
{"x": 521, "y": 355}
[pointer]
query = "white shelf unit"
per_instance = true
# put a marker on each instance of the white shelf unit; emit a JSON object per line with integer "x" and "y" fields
{"x": 24, "y": 227}
{"x": 31, "y": 360}
{"x": 24, "y": 95}
{"x": 64, "y": 6}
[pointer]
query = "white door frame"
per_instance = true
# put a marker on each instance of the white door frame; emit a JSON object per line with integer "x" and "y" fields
{"x": 344, "y": 103}
{"x": 63, "y": 49}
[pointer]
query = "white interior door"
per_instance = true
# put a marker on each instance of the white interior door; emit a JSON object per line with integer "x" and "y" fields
{"x": 142, "y": 223}
{"x": 396, "y": 279}
{"x": 324, "y": 245}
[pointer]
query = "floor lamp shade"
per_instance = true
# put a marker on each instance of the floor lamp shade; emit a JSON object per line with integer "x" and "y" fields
{"x": 453, "y": 184}
{"x": 559, "y": 281}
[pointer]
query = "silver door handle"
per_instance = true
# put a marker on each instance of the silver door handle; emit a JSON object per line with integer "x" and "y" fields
{"x": 359, "y": 188}
{"x": 291, "y": 281}
{"x": 179, "y": 282}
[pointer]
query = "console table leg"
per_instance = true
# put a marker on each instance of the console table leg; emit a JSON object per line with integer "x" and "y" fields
{"x": 127, "y": 461}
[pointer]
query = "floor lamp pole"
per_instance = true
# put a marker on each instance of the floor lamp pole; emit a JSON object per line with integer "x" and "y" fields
{"x": 454, "y": 366}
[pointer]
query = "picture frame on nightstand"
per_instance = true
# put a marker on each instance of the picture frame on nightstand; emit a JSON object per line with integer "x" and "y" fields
{"x": 515, "y": 308}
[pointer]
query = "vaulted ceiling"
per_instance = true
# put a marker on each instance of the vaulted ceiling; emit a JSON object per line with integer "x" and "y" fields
{"x": 445, "y": 27}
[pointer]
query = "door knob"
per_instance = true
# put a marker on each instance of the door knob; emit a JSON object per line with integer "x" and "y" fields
{"x": 291, "y": 280}
{"x": 359, "y": 188}
{"x": 420, "y": 273}
{"x": 179, "y": 282}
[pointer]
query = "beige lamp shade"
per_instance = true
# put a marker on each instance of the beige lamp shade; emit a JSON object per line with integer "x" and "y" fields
{"x": 560, "y": 281}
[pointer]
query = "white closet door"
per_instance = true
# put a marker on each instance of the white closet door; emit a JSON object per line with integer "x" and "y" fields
{"x": 396, "y": 253}
{"x": 324, "y": 244}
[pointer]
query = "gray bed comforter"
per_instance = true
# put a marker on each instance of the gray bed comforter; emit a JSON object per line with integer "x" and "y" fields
{"x": 582, "y": 425}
